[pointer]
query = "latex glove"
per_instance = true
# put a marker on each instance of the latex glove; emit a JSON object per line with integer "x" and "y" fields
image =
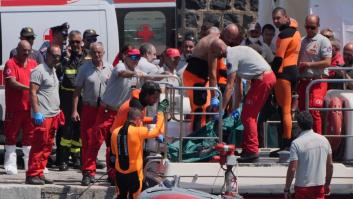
{"x": 235, "y": 114}
{"x": 38, "y": 118}
{"x": 217, "y": 116}
{"x": 154, "y": 120}
{"x": 214, "y": 102}
{"x": 160, "y": 138}
{"x": 163, "y": 105}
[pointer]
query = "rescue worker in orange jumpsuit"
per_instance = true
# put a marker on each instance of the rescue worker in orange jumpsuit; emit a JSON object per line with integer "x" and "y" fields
{"x": 127, "y": 150}
{"x": 285, "y": 67}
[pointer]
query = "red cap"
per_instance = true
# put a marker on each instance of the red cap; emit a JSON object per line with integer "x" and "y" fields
{"x": 133, "y": 51}
{"x": 172, "y": 52}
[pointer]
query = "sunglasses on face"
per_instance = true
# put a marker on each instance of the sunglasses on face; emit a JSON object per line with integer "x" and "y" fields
{"x": 92, "y": 39}
{"x": 29, "y": 38}
{"x": 310, "y": 27}
{"x": 134, "y": 57}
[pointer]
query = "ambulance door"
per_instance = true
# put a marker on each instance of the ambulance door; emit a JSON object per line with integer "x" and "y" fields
{"x": 154, "y": 25}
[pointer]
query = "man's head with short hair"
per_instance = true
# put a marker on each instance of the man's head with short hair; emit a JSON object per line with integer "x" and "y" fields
{"x": 53, "y": 56}
{"x": 336, "y": 46}
{"x": 75, "y": 41}
{"x": 89, "y": 36}
{"x": 60, "y": 33}
{"x": 348, "y": 54}
{"x": 268, "y": 32}
{"x": 135, "y": 116}
{"x": 312, "y": 24}
{"x": 205, "y": 28}
{"x": 188, "y": 45}
{"x": 23, "y": 50}
{"x": 280, "y": 17}
{"x": 305, "y": 120}
{"x": 97, "y": 52}
{"x": 232, "y": 35}
{"x": 150, "y": 93}
{"x": 148, "y": 51}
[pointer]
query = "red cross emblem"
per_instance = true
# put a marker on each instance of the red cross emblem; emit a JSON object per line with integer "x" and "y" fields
{"x": 146, "y": 34}
{"x": 48, "y": 35}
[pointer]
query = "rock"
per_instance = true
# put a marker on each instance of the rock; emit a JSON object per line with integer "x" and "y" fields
{"x": 212, "y": 18}
{"x": 195, "y": 4}
{"x": 191, "y": 20}
{"x": 240, "y": 4}
{"x": 230, "y": 18}
{"x": 254, "y": 5}
{"x": 247, "y": 20}
{"x": 220, "y": 4}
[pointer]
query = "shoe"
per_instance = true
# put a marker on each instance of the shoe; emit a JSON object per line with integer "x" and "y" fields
{"x": 63, "y": 167}
{"x": 100, "y": 164}
{"x": 93, "y": 179}
{"x": 76, "y": 163}
{"x": 10, "y": 163}
{"x": 285, "y": 145}
{"x": 248, "y": 157}
{"x": 86, "y": 179}
{"x": 46, "y": 180}
{"x": 34, "y": 180}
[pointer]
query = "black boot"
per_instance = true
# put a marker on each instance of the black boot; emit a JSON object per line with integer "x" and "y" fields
{"x": 86, "y": 179}
{"x": 64, "y": 158}
{"x": 46, "y": 180}
{"x": 285, "y": 145}
{"x": 34, "y": 180}
{"x": 76, "y": 160}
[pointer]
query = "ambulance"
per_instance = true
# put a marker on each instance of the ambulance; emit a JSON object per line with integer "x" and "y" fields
{"x": 118, "y": 22}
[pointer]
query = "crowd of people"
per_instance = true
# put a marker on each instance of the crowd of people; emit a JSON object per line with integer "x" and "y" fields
{"x": 72, "y": 91}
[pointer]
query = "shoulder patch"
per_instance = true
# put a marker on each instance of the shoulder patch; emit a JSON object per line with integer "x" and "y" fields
{"x": 288, "y": 32}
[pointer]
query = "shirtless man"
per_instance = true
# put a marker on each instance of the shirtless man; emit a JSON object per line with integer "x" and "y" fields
{"x": 202, "y": 71}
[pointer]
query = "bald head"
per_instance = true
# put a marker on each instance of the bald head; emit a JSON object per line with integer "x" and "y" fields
{"x": 218, "y": 48}
{"x": 312, "y": 23}
{"x": 348, "y": 54}
{"x": 232, "y": 35}
{"x": 23, "y": 50}
{"x": 213, "y": 30}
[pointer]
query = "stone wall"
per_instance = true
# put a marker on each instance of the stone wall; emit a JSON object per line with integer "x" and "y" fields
{"x": 193, "y": 13}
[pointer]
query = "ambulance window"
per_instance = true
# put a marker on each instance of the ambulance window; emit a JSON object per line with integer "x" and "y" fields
{"x": 145, "y": 26}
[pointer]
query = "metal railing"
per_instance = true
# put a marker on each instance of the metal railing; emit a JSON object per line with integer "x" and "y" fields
{"x": 181, "y": 120}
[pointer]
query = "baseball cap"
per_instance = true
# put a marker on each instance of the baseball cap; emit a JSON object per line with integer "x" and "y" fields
{"x": 27, "y": 32}
{"x": 90, "y": 33}
{"x": 254, "y": 26}
{"x": 172, "y": 52}
{"x": 134, "y": 54}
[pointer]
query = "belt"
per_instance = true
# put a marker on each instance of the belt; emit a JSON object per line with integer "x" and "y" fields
{"x": 310, "y": 78}
{"x": 107, "y": 107}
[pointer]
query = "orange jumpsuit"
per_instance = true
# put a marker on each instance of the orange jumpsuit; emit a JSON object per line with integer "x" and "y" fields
{"x": 285, "y": 67}
{"x": 127, "y": 145}
{"x": 196, "y": 75}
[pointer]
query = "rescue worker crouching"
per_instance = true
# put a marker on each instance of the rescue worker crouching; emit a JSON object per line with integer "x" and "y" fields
{"x": 127, "y": 150}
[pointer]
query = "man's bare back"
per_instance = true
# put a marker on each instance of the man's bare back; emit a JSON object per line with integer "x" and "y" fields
{"x": 202, "y": 48}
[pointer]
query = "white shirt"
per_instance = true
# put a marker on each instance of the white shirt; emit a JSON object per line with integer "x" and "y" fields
{"x": 147, "y": 67}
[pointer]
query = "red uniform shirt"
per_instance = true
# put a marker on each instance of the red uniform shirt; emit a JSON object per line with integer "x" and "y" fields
{"x": 15, "y": 99}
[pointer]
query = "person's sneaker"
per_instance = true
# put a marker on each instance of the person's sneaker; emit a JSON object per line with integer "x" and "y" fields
{"x": 93, "y": 179}
{"x": 86, "y": 179}
{"x": 63, "y": 167}
{"x": 46, "y": 180}
{"x": 248, "y": 157}
{"x": 34, "y": 180}
{"x": 76, "y": 163}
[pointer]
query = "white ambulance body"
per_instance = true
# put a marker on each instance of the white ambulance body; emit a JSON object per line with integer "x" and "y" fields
{"x": 118, "y": 22}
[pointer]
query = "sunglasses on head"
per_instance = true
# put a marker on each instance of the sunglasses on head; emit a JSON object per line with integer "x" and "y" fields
{"x": 310, "y": 27}
{"x": 134, "y": 57}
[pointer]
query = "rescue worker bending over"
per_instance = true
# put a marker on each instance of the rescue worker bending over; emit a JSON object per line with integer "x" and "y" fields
{"x": 127, "y": 150}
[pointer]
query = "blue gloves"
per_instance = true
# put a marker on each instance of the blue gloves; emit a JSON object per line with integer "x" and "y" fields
{"x": 160, "y": 138}
{"x": 154, "y": 120}
{"x": 38, "y": 118}
{"x": 214, "y": 102}
{"x": 235, "y": 114}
